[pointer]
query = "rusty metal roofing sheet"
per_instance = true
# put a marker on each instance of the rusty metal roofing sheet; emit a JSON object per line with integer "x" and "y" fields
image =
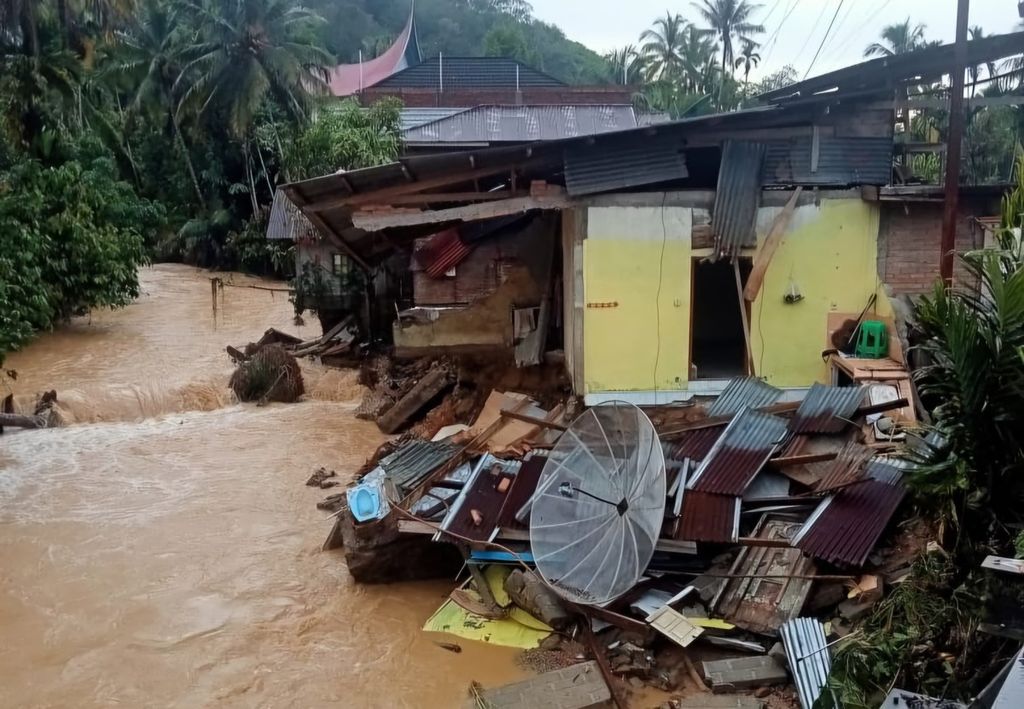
{"x": 826, "y": 409}
{"x": 410, "y": 465}
{"x": 737, "y": 196}
{"x": 694, "y": 445}
{"x": 809, "y": 658}
{"x": 847, "y": 467}
{"x": 739, "y": 454}
{"x": 621, "y": 163}
{"x": 709, "y": 518}
{"x": 523, "y": 124}
{"x": 442, "y": 252}
{"x": 845, "y": 527}
{"x": 744, "y": 391}
{"x": 288, "y": 223}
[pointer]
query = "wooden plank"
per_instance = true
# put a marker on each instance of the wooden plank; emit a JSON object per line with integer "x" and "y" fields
{"x": 533, "y": 419}
{"x": 442, "y": 197}
{"x": 426, "y": 389}
{"x": 712, "y": 421}
{"x": 881, "y": 408}
{"x": 771, "y": 245}
{"x": 803, "y": 459}
{"x": 468, "y": 213}
{"x": 617, "y": 619}
{"x": 743, "y": 317}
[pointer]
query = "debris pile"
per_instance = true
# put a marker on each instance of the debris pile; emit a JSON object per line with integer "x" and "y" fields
{"x": 270, "y": 373}
{"x": 712, "y": 549}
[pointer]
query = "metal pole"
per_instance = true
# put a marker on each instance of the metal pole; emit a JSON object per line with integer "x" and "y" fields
{"x": 954, "y": 142}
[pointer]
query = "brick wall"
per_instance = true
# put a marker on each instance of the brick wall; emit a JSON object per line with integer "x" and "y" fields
{"x": 909, "y": 242}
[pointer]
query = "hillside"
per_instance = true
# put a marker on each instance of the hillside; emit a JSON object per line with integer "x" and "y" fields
{"x": 459, "y": 28}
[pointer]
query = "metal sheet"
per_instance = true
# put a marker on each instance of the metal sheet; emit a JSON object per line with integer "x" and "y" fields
{"x": 846, "y": 468}
{"x": 739, "y": 454}
{"x": 618, "y": 164}
{"x": 521, "y": 124}
{"x": 412, "y": 117}
{"x": 846, "y": 527}
{"x": 695, "y": 445}
{"x": 809, "y": 659}
{"x": 287, "y": 223}
{"x": 708, "y": 518}
{"x": 744, "y": 391}
{"x": 738, "y": 194}
{"x": 410, "y": 465}
{"x": 481, "y": 493}
{"x": 826, "y": 409}
{"x": 841, "y": 162}
{"x": 759, "y": 603}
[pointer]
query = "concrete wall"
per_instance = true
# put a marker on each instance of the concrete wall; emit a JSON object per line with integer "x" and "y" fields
{"x": 637, "y": 263}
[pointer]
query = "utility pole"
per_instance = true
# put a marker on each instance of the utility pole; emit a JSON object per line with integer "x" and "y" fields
{"x": 954, "y": 143}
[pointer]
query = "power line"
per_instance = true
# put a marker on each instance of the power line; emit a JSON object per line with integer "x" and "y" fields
{"x": 773, "y": 39}
{"x": 842, "y": 21}
{"x": 871, "y": 16}
{"x": 827, "y": 31}
{"x": 771, "y": 12}
{"x": 824, "y": 6}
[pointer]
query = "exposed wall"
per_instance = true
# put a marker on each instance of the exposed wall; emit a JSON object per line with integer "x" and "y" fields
{"x": 637, "y": 290}
{"x": 910, "y": 238}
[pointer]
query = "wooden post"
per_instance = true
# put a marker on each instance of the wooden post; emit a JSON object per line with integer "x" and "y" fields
{"x": 743, "y": 315}
{"x": 426, "y": 389}
{"x": 770, "y": 246}
{"x": 954, "y": 144}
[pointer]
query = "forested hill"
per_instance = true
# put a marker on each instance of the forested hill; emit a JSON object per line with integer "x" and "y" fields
{"x": 459, "y": 28}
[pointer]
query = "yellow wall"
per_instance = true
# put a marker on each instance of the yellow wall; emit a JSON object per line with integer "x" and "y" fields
{"x": 829, "y": 252}
{"x": 622, "y": 256}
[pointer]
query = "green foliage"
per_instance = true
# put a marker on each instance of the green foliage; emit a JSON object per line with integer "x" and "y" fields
{"x": 71, "y": 239}
{"x": 346, "y": 137}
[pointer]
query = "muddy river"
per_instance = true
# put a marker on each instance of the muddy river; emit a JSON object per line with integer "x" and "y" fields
{"x": 162, "y": 549}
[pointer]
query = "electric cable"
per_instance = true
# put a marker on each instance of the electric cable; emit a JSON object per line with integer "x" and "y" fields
{"x": 827, "y": 31}
{"x": 807, "y": 40}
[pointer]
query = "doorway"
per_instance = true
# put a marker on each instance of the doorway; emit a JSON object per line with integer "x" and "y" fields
{"x": 718, "y": 347}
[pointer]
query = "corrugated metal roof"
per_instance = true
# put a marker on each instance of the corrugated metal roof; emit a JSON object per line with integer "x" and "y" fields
{"x": 288, "y": 223}
{"x": 744, "y": 391}
{"x": 624, "y": 163}
{"x": 809, "y": 659}
{"x": 845, "y": 528}
{"x": 695, "y": 445}
{"x": 410, "y": 118}
{"x": 410, "y": 465}
{"x": 522, "y": 124}
{"x": 468, "y": 73}
{"x": 737, "y": 196}
{"x": 441, "y": 252}
{"x": 847, "y": 467}
{"x": 708, "y": 518}
{"x": 841, "y": 161}
{"x": 740, "y": 453}
{"x": 826, "y": 409}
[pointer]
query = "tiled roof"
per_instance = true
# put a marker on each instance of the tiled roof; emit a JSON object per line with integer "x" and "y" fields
{"x": 468, "y": 73}
{"x": 522, "y": 124}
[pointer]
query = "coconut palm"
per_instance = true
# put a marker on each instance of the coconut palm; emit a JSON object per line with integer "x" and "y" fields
{"x": 660, "y": 47}
{"x": 748, "y": 58}
{"x": 728, "y": 19}
{"x": 247, "y": 52}
{"x": 897, "y": 39}
{"x": 148, "y": 56}
{"x": 698, "y": 58}
{"x": 625, "y": 66}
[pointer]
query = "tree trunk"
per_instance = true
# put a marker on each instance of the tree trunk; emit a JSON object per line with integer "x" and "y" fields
{"x": 21, "y": 421}
{"x": 248, "y": 173}
{"x": 62, "y": 21}
{"x": 29, "y": 30}
{"x": 721, "y": 83}
{"x": 188, "y": 161}
{"x": 266, "y": 175}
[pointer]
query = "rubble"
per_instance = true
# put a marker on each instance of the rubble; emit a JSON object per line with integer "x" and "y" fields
{"x": 719, "y": 582}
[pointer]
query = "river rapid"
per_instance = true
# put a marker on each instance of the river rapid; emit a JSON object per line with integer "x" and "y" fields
{"x": 161, "y": 549}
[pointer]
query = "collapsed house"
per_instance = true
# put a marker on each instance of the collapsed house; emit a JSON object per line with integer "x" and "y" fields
{"x": 651, "y": 235}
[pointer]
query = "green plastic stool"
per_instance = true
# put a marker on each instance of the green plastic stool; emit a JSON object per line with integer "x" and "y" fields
{"x": 873, "y": 340}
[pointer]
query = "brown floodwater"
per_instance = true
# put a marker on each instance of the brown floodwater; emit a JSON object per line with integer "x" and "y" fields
{"x": 161, "y": 549}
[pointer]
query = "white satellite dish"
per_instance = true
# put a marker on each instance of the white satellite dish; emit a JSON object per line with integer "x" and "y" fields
{"x": 599, "y": 505}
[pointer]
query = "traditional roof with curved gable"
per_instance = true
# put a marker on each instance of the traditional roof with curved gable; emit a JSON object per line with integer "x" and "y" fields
{"x": 349, "y": 79}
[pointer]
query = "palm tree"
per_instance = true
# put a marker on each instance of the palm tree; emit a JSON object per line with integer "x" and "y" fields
{"x": 698, "y": 57}
{"x": 625, "y": 66}
{"x": 974, "y": 71}
{"x": 726, "y": 19}
{"x": 148, "y": 56}
{"x": 897, "y": 39}
{"x": 748, "y": 58}
{"x": 247, "y": 52}
{"x": 660, "y": 46}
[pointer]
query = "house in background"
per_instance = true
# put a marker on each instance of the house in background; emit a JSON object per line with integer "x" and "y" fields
{"x": 351, "y": 79}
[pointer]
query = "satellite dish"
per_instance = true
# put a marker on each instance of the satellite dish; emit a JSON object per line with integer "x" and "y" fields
{"x": 599, "y": 505}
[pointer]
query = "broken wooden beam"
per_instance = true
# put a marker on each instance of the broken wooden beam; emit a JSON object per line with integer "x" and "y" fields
{"x": 787, "y": 461}
{"x": 881, "y": 408}
{"x": 771, "y": 244}
{"x": 544, "y": 423}
{"x": 369, "y": 221}
{"x": 405, "y": 408}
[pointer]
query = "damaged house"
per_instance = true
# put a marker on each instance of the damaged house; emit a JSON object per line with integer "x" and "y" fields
{"x": 663, "y": 261}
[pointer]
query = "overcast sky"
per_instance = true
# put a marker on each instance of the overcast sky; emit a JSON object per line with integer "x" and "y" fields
{"x": 607, "y": 24}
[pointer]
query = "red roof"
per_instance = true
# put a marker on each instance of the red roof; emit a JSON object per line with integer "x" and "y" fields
{"x": 708, "y": 518}
{"x": 845, "y": 528}
{"x": 349, "y": 79}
